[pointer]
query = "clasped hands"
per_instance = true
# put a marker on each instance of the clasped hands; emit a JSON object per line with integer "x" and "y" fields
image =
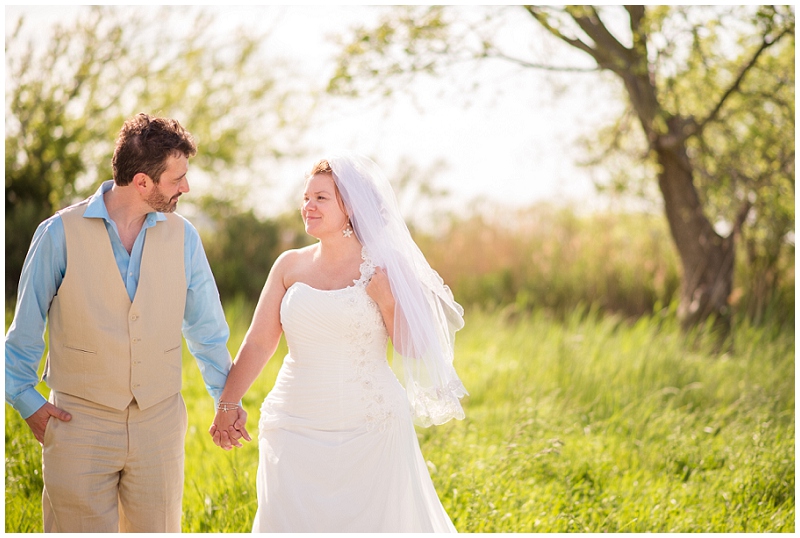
{"x": 229, "y": 427}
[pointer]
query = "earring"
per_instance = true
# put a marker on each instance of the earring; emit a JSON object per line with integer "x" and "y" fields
{"x": 347, "y": 232}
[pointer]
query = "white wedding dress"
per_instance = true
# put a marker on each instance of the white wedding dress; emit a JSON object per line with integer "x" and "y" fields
{"x": 337, "y": 446}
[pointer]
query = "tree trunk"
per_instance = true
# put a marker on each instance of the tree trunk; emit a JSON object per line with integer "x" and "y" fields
{"x": 707, "y": 259}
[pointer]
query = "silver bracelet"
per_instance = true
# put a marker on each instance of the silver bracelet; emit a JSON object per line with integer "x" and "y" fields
{"x": 227, "y": 406}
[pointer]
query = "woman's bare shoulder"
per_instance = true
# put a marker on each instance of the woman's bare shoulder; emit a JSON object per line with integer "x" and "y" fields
{"x": 296, "y": 255}
{"x": 292, "y": 262}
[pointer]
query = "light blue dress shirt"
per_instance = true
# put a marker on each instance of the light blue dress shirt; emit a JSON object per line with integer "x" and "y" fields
{"x": 204, "y": 325}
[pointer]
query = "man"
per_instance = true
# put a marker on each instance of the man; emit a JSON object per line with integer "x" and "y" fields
{"x": 121, "y": 278}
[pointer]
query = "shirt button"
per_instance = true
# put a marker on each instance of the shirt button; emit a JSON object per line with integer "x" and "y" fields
{"x": 135, "y": 340}
{"x": 134, "y": 317}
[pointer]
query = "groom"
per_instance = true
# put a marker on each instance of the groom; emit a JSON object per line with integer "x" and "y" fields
{"x": 120, "y": 277}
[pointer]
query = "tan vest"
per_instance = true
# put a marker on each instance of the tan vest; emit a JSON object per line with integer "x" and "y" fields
{"x": 103, "y": 347}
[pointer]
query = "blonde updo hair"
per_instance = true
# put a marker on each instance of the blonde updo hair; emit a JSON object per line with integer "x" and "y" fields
{"x": 323, "y": 167}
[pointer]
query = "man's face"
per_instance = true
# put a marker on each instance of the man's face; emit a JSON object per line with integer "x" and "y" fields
{"x": 173, "y": 183}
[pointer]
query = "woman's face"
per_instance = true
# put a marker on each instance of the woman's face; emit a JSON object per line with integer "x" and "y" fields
{"x": 322, "y": 211}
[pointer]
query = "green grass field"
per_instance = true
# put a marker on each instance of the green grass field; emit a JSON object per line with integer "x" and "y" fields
{"x": 589, "y": 424}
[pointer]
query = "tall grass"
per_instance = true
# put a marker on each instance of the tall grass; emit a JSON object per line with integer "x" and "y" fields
{"x": 555, "y": 258}
{"x": 607, "y": 426}
{"x": 582, "y": 423}
{"x": 549, "y": 257}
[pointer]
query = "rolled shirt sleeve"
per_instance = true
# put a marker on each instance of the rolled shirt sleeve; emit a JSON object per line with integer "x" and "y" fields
{"x": 42, "y": 274}
{"x": 204, "y": 325}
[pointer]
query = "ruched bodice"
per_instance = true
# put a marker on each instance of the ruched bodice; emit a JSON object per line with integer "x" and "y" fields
{"x": 337, "y": 363}
{"x": 339, "y": 323}
{"x": 338, "y": 450}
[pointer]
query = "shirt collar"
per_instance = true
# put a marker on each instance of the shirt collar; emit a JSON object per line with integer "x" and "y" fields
{"x": 96, "y": 209}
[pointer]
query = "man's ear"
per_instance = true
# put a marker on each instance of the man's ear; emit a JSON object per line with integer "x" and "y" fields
{"x": 141, "y": 182}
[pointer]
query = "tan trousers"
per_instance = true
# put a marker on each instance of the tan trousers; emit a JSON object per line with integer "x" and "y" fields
{"x": 114, "y": 471}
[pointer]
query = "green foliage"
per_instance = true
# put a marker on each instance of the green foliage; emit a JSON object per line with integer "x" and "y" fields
{"x": 547, "y": 258}
{"x": 242, "y": 253}
{"x": 69, "y": 92}
{"x": 590, "y": 424}
{"x": 23, "y": 509}
{"x": 744, "y": 157}
{"x": 241, "y": 247}
{"x": 550, "y": 258}
{"x": 748, "y": 158}
{"x": 241, "y": 250}
{"x": 401, "y": 42}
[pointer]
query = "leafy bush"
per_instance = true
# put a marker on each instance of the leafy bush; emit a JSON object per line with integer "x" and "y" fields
{"x": 554, "y": 258}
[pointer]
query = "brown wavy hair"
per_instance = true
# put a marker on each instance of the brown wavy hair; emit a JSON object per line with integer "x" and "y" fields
{"x": 143, "y": 145}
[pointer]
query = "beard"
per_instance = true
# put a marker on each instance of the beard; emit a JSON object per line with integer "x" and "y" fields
{"x": 161, "y": 203}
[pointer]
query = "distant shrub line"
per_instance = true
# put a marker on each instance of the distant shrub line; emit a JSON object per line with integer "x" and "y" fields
{"x": 540, "y": 257}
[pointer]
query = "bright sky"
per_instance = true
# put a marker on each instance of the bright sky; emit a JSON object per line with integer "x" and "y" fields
{"x": 515, "y": 144}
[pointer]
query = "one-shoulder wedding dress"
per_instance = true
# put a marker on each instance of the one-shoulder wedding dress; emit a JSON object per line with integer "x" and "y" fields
{"x": 337, "y": 447}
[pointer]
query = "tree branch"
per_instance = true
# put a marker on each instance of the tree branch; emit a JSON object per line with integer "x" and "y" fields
{"x": 741, "y": 216}
{"x": 607, "y": 45}
{"x": 639, "y": 34}
{"x": 765, "y": 44}
{"x": 538, "y": 14}
{"x": 636, "y": 14}
{"x": 524, "y": 63}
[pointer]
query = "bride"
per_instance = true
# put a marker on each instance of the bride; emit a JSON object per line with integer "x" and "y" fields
{"x": 337, "y": 447}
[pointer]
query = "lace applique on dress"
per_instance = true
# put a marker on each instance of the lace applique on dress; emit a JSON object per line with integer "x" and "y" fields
{"x": 366, "y": 269}
{"x": 366, "y": 334}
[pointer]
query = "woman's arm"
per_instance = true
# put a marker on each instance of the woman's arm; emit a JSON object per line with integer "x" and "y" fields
{"x": 259, "y": 345}
{"x": 380, "y": 291}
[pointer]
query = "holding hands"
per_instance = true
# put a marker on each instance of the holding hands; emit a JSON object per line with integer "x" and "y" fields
{"x": 229, "y": 426}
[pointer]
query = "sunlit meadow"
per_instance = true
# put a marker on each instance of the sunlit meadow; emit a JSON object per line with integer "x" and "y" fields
{"x": 590, "y": 424}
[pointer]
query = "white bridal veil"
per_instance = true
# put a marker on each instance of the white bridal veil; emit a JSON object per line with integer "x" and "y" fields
{"x": 426, "y": 315}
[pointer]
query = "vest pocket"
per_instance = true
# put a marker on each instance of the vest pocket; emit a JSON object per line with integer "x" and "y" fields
{"x": 80, "y": 349}
{"x": 71, "y": 365}
{"x": 170, "y": 370}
